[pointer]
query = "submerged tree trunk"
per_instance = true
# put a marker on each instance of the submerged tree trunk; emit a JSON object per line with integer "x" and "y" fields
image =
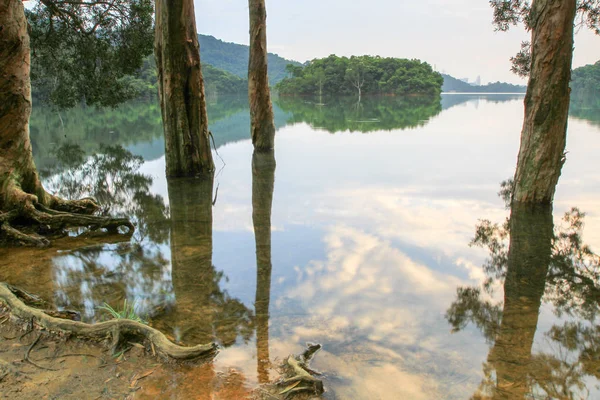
{"x": 259, "y": 94}
{"x": 544, "y": 134}
{"x": 23, "y": 200}
{"x": 263, "y": 181}
{"x": 181, "y": 90}
{"x": 530, "y": 251}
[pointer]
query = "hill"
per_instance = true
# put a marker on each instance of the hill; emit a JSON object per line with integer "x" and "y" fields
{"x": 233, "y": 58}
{"x": 336, "y": 76}
{"x": 452, "y": 84}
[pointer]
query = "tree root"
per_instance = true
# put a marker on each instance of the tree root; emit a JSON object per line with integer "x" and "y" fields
{"x": 298, "y": 380}
{"x": 30, "y": 213}
{"x": 120, "y": 330}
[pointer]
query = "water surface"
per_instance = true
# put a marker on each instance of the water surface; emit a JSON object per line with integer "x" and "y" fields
{"x": 357, "y": 239}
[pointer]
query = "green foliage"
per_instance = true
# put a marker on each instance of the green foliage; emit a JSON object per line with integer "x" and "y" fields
{"x": 452, "y": 84}
{"x": 83, "y": 51}
{"x": 585, "y": 93}
{"x": 233, "y": 58}
{"x": 509, "y": 13}
{"x": 127, "y": 312}
{"x": 370, "y": 114}
{"x": 374, "y": 75}
{"x": 586, "y": 80}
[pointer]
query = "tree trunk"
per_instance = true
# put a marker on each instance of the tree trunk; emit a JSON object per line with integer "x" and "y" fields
{"x": 181, "y": 90}
{"x": 544, "y": 134}
{"x": 263, "y": 181}
{"x": 530, "y": 251}
{"x": 22, "y": 197}
{"x": 16, "y": 159}
{"x": 259, "y": 95}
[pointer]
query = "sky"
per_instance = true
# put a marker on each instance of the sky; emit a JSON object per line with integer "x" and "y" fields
{"x": 454, "y": 36}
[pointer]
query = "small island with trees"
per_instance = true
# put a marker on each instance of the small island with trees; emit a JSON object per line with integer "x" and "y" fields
{"x": 360, "y": 75}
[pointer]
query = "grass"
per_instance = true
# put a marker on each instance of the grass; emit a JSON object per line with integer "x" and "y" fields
{"x": 127, "y": 312}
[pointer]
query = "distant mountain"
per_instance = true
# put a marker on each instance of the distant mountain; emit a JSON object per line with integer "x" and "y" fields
{"x": 452, "y": 84}
{"x": 233, "y": 57}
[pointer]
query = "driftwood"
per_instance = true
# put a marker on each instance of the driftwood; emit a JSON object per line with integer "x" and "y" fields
{"x": 298, "y": 381}
{"x": 119, "y": 330}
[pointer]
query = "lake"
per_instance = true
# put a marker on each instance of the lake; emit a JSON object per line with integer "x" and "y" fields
{"x": 363, "y": 249}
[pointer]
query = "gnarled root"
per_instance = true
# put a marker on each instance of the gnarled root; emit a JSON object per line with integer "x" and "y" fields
{"x": 29, "y": 219}
{"x": 298, "y": 379}
{"x": 118, "y": 329}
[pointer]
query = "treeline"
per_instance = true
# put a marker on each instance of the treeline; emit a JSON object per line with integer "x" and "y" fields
{"x": 363, "y": 75}
{"x": 144, "y": 85}
{"x": 585, "y": 81}
{"x": 216, "y": 81}
{"x": 452, "y": 84}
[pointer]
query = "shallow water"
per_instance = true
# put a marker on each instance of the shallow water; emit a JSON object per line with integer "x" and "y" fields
{"x": 362, "y": 249}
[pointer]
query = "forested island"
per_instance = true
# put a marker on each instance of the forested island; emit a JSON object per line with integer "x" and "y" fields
{"x": 335, "y": 75}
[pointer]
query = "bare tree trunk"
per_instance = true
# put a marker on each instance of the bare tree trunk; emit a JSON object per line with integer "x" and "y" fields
{"x": 16, "y": 159}
{"x": 544, "y": 134}
{"x": 259, "y": 95}
{"x": 181, "y": 90}
{"x": 22, "y": 197}
{"x": 263, "y": 181}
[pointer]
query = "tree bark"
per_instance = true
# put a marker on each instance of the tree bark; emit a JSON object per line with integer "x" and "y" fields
{"x": 263, "y": 181}
{"x": 181, "y": 90}
{"x": 544, "y": 134}
{"x": 22, "y": 196}
{"x": 259, "y": 95}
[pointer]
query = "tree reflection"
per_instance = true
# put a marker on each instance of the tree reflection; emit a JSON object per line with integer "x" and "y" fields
{"x": 263, "y": 181}
{"x": 586, "y": 105}
{"x": 204, "y": 312}
{"x": 179, "y": 293}
{"x": 368, "y": 115}
{"x": 91, "y": 274}
{"x": 539, "y": 264}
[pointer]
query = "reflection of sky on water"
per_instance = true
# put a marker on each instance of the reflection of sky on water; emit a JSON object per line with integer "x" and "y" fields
{"x": 370, "y": 240}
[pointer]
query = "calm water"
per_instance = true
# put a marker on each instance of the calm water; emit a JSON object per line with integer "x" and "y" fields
{"x": 358, "y": 239}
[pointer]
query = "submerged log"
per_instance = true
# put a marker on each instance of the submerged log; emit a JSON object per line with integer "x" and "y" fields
{"x": 118, "y": 330}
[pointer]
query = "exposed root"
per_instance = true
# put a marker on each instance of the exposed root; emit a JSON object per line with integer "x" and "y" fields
{"x": 58, "y": 219}
{"x": 298, "y": 380}
{"x": 40, "y": 219}
{"x": 30, "y": 361}
{"x": 82, "y": 206}
{"x": 16, "y": 236}
{"x": 120, "y": 330}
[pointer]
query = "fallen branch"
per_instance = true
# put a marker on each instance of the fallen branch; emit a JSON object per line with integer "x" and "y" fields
{"x": 117, "y": 329}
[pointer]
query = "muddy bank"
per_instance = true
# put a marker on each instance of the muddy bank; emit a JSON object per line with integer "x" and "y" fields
{"x": 73, "y": 369}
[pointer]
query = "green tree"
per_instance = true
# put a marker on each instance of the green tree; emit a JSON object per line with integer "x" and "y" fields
{"x": 547, "y": 60}
{"x": 110, "y": 31}
{"x": 335, "y": 75}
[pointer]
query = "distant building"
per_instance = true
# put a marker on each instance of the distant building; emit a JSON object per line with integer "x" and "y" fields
{"x": 477, "y": 81}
